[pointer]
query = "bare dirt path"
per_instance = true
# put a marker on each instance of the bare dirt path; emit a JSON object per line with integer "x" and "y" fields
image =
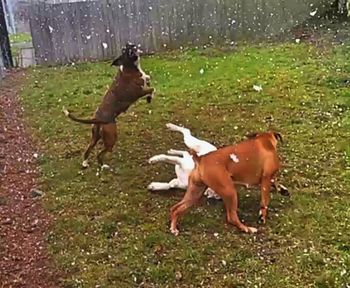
{"x": 24, "y": 261}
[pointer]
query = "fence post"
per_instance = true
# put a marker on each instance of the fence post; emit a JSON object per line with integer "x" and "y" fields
{"x": 4, "y": 40}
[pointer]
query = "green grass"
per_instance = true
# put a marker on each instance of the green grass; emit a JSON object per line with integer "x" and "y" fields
{"x": 20, "y": 38}
{"x": 110, "y": 231}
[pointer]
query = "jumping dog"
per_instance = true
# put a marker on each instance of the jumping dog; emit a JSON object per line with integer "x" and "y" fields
{"x": 129, "y": 85}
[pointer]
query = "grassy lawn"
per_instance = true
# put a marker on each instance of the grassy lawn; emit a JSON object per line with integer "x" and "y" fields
{"x": 20, "y": 38}
{"x": 111, "y": 232}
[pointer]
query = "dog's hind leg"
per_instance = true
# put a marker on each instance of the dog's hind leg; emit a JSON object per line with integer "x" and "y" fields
{"x": 109, "y": 136}
{"x": 95, "y": 136}
{"x": 100, "y": 156}
{"x": 177, "y": 152}
{"x": 193, "y": 194}
{"x": 190, "y": 141}
{"x": 158, "y": 186}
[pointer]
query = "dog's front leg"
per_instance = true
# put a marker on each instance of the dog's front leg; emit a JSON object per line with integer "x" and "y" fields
{"x": 158, "y": 186}
{"x": 149, "y": 92}
{"x": 165, "y": 158}
{"x": 177, "y": 152}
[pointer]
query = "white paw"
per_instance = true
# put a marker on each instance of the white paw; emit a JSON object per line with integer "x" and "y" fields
{"x": 174, "y": 231}
{"x": 85, "y": 164}
{"x": 151, "y": 187}
{"x": 105, "y": 167}
{"x": 170, "y": 126}
{"x": 154, "y": 159}
{"x": 252, "y": 230}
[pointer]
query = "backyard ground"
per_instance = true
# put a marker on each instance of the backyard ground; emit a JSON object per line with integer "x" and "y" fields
{"x": 24, "y": 261}
{"x": 109, "y": 231}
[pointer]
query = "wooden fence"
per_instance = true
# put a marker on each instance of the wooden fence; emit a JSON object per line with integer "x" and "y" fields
{"x": 80, "y": 31}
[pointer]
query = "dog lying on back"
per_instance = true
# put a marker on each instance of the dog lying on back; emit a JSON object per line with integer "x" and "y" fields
{"x": 183, "y": 161}
{"x": 184, "y": 164}
{"x": 252, "y": 162}
{"x": 129, "y": 85}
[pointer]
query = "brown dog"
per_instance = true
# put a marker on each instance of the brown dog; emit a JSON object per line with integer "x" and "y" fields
{"x": 251, "y": 162}
{"x": 130, "y": 84}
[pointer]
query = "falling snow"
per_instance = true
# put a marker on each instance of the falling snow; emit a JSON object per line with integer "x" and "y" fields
{"x": 313, "y": 13}
{"x": 257, "y": 88}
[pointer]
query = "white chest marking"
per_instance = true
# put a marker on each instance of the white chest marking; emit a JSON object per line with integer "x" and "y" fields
{"x": 144, "y": 76}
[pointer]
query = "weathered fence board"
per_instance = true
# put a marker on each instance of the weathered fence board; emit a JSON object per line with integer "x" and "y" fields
{"x": 79, "y": 31}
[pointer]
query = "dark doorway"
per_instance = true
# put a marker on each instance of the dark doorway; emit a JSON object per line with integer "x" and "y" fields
{"x": 5, "y": 47}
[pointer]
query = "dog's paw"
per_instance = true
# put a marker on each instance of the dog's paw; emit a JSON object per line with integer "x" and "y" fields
{"x": 262, "y": 218}
{"x": 171, "y": 126}
{"x": 154, "y": 159}
{"x": 174, "y": 231}
{"x": 252, "y": 230}
{"x": 151, "y": 187}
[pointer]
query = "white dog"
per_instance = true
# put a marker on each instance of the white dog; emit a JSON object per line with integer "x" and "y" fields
{"x": 184, "y": 164}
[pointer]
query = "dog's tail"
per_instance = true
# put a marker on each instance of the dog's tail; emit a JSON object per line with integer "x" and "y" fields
{"x": 195, "y": 156}
{"x": 85, "y": 121}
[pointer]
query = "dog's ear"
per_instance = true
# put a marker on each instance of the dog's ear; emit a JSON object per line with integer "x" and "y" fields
{"x": 278, "y": 136}
{"x": 117, "y": 62}
{"x": 251, "y": 135}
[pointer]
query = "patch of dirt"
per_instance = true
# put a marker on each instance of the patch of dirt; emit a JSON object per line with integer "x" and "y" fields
{"x": 24, "y": 261}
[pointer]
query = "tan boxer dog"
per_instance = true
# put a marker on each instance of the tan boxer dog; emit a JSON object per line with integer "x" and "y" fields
{"x": 251, "y": 162}
{"x": 130, "y": 84}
